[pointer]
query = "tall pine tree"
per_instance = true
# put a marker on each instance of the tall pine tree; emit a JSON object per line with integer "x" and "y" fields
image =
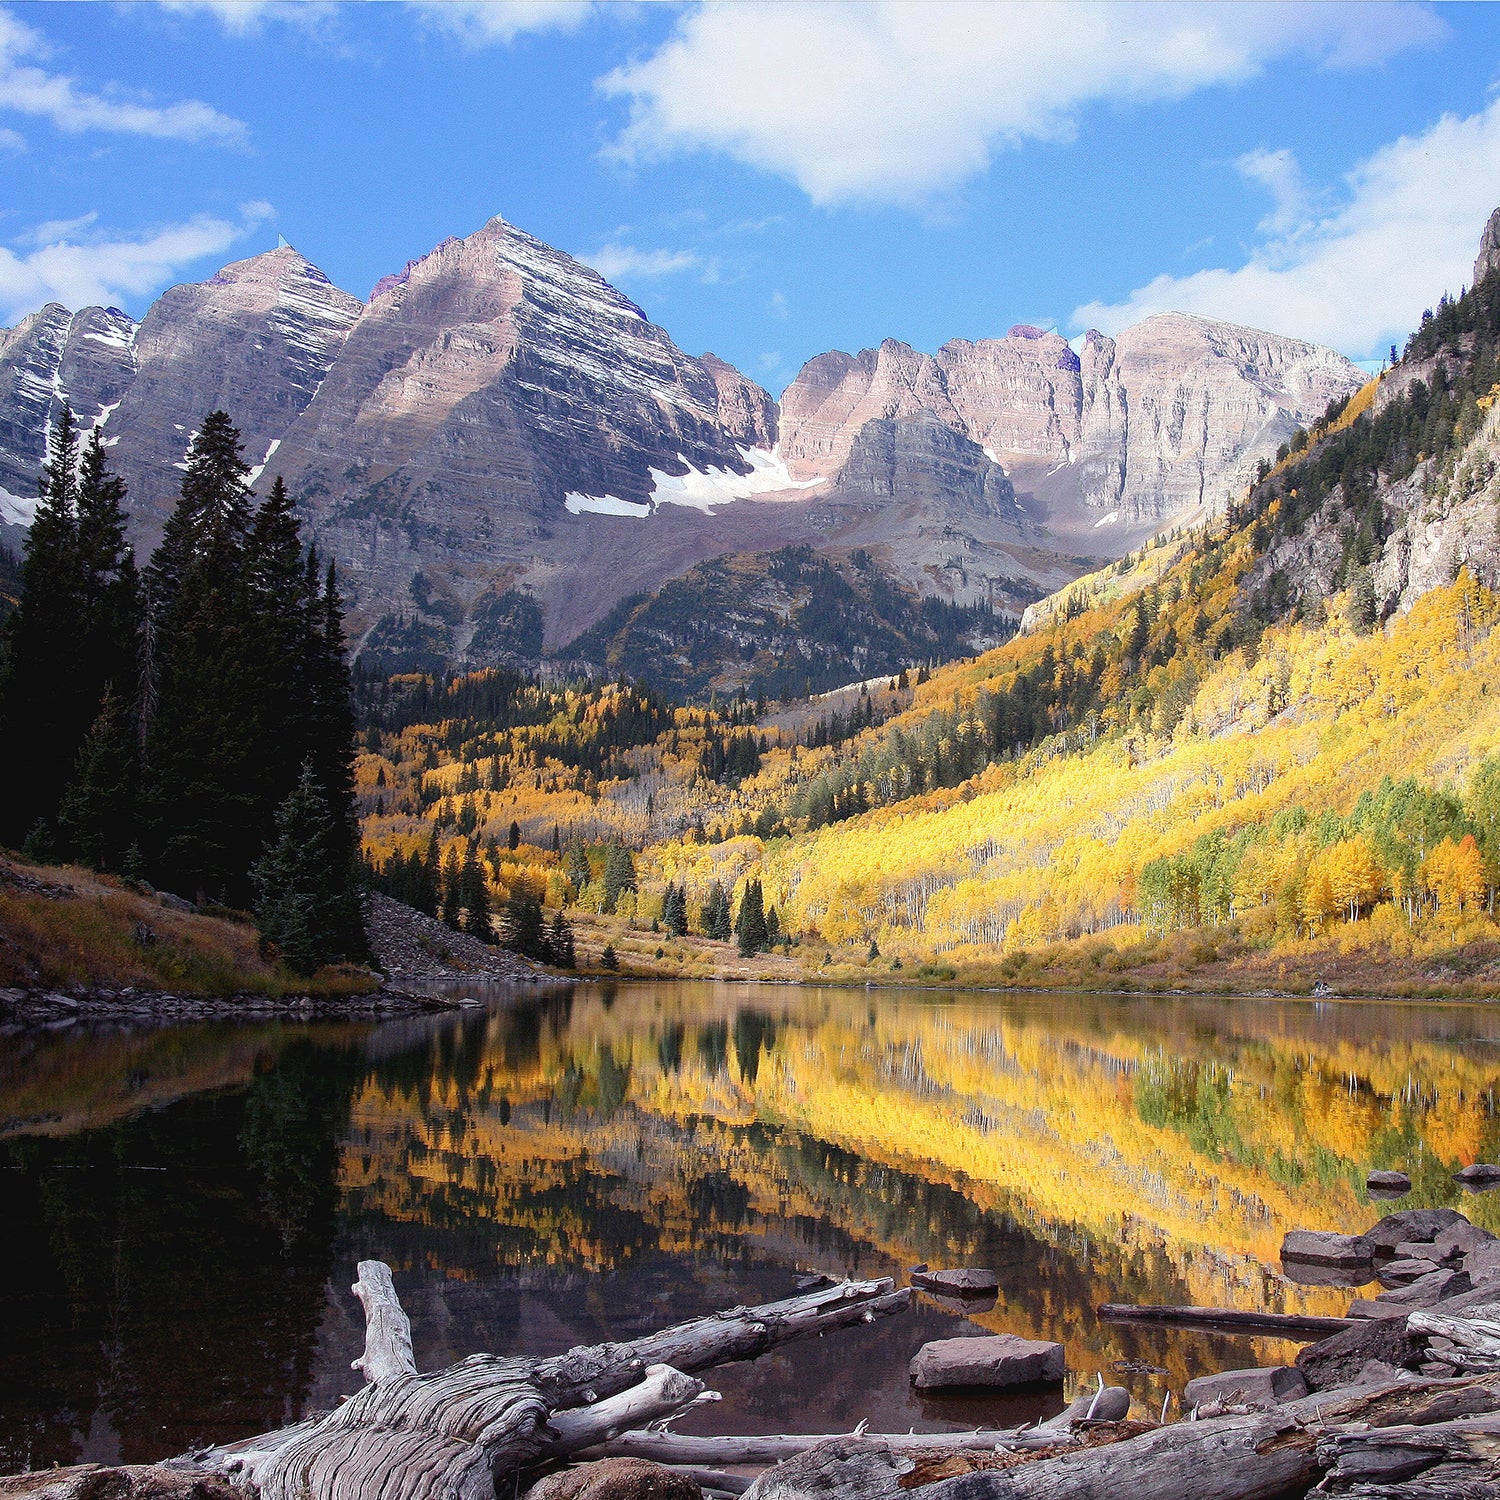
{"x": 200, "y": 745}
{"x": 74, "y": 635}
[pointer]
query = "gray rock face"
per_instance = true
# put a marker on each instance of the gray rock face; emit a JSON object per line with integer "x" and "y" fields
{"x": 919, "y": 458}
{"x": 1173, "y": 414}
{"x": 256, "y": 340}
{"x": 1489, "y": 249}
{"x": 455, "y": 440}
{"x": 86, "y": 359}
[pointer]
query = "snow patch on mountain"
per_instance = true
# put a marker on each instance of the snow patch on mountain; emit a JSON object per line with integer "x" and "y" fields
{"x": 15, "y": 510}
{"x": 700, "y": 489}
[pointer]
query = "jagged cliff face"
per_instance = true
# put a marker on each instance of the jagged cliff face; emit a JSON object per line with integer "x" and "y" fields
{"x": 1173, "y": 414}
{"x": 497, "y": 369}
{"x": 499, "y": 429}
{"x": 256, "y": 340}
{"x": 86, "y": 359}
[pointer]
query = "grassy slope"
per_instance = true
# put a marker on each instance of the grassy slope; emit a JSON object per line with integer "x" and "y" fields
{"x": 71, "y": 926}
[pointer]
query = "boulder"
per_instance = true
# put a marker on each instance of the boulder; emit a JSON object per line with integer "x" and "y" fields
{"x": 1419, "y": 1225}
{"x": 998, "y": 1359}
{"x": 1112, "y": 1404}
{"x": 1403, "y": 1272}
{"x": 1367, "y": 1307}
{"x": 1461, "y": 1239}
{"x": 1317, "y": 1247}
{"x": 1388, "y": 1182}
{"x": 1483, "y": 1262}
{"x": 1427, "y": 1290}
{"x": 959, "y": 1283}
{"x": 1256, "y": 1388}
{"x": 1475, "y": 1302}
{"x": 616, "y": 1479}
{"x": 1340, "y": 1359}
{"x": 1479, "y": 1177}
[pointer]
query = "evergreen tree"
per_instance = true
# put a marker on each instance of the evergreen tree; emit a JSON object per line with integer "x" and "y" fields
{"x": 330, "y": 738}
{"x": 97, "y": 817}
{"x": 200, "y": 747}
{"x": 576, "y": 866}
{"x": 619, "y": 874}
{"x": 111, "y": 588}
{"x": 475, "y": 894}
{"x": 674, "y": 910}
{"x": 40, "y": 706}
{"x": 521, "y": 927}
{"x": 560, "y": 944}
{"x": 286, "y": 623}
{"x": 716, "y": 923}
{"x": 513, "y": 839}
{"x": 300, "y": 891}
{"x": 609, "y": 959}
{"x": 750, "y": 924}
{"x": 453, "y": 896}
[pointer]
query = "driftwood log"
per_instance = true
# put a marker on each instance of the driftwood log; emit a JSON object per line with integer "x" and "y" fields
{"x": 1248, "y": 1456}
{"x": 454, "y": 1434}
{"x": 1299, "y": 1327}
{"x": 1107, "y": 1404}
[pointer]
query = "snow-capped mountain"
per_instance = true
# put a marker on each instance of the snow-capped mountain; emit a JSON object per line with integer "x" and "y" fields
{"x": 498, "y": 418}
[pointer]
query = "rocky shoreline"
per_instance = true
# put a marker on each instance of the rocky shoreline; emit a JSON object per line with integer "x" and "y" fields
{"x": 409, "y": 949}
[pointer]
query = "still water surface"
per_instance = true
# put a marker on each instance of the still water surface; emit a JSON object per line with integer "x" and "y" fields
{"x": 182, "y": 1208}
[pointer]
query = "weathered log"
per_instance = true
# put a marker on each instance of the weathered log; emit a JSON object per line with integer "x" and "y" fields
{"x": 387, "y": 1328}
{"x": 450, "y": 1434}
{"x": 664, "y": 1392}
{"x": 704, "y": 1343}
{"x": 1477, "y": 1340}
{"x": 1299, "y": 1327}
{"x": 1251, "y": 1456}
{"x": 1107, "y": 1404}
{"x": 772, "y": 1448}
{"x": 1443, "y": 1462}
{"x": 715, "y": 1479}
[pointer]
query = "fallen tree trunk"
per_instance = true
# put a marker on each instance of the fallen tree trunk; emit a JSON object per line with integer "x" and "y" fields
{"x": 1249, "y": 1456}
{"x": 1108, "y": 1403}
{"x": 771, "y": 1448}
{"x": 1441, "y": 1462}
{"x": 1301, "y": 1327}
{"x": 452, "y": 1434}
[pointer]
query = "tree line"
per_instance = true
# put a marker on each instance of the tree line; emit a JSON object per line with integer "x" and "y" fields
{"x": 191, "y": 724}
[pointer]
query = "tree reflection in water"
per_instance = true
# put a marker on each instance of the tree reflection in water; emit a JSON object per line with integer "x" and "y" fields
{"x": 185, "y": 1206}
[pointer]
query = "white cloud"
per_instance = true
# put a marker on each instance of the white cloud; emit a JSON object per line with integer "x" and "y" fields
{"x": 1281, "y": 175}
{"x": 31, "y": 90}
{"x": 246, "y": 17}
{"x": 890, "y": 101}
{"x": 1359, "y": 276}
{"x": 104, "y": 271}
{"x": 11, "y": 140}
{"x": 479, "y": 22}
{"x": 620, "y": 262}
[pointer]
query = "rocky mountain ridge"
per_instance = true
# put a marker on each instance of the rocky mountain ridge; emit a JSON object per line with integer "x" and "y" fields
{"x": 497, "y": 423}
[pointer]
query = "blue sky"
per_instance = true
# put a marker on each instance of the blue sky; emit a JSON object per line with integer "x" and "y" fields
{"x": 773, "y": 180}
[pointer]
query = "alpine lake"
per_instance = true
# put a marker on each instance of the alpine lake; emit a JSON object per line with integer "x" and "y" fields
{"x": 183, "y": 1207}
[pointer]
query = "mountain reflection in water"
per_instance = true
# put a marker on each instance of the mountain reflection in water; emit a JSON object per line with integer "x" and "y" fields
{"x": 184, "y": 1207}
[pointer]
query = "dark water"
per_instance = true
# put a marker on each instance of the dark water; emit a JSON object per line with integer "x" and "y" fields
{"x": 183, "y": 1208}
